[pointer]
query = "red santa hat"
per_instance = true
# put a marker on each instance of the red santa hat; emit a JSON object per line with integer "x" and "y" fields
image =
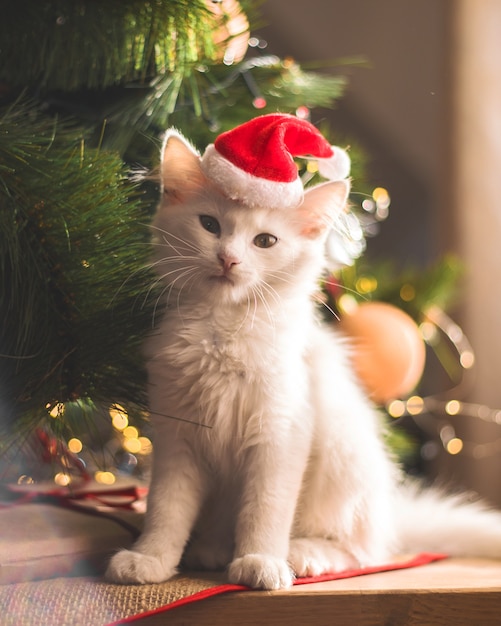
{"x": 254, "y": 162}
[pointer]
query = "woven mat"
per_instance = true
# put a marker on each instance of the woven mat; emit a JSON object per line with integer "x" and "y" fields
{"x": 91, "y": 601}
{"x": 88, "y": 601}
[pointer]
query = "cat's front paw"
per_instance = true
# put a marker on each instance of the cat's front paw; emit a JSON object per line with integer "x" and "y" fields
{"x": 261, "y": 571}
{"x": 128, "y": 566}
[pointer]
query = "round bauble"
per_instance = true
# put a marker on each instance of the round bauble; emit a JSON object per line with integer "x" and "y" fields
{"x": 388, "y": 351}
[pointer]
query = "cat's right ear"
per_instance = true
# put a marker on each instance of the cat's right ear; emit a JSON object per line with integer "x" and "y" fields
{"x": 181, "y": 175}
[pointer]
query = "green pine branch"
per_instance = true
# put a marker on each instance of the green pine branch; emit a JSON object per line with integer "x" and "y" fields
{"x": 74, "y": 271}
{"x": 68, "y": 45}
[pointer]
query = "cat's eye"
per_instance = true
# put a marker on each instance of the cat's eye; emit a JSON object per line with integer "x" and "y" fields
{"x": 210, "y": 224}
{"x": 265, "y": 240}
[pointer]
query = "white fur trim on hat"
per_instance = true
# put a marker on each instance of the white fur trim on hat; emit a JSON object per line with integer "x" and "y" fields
{"x": 337, "y": 167}
{"x": 253, "y": 191}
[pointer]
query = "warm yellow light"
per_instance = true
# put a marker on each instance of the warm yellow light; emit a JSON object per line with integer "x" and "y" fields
{"x": 366, "y": 284}
{"x": 347, "y": 303}
{"x": 62, "y": 479}
{"x": 119, "y": 417}
{"x": 429, "y": 332}
{"x": 467, "y": 359}
{"x": 104, "y": 478}
{"x": 454, "y": 446}
{"x": 130, "y": 432}
{"x": 132, "y": 445}
{"x": 396, "y": 408}
{"x": 453, "y": 407}
{"x": 75, "y": 445}
{"x": 380, "y": 194}
{"x": 57, "y": 410}
{"x": 25, "y": 480}
{"x": 65, "y": 461}
{"x": 415, "y": 405}
{"x": 146, "y": 446}
{"x": 382, "y": 200}
{"x": 407, "y": 292}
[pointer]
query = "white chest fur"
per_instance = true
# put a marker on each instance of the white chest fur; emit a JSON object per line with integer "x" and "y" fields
{"x": 240, "y": 377}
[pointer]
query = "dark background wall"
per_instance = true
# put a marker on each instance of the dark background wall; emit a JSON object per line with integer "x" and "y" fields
{"x": 394, "y": 109}
{"x": 428, "y": 113}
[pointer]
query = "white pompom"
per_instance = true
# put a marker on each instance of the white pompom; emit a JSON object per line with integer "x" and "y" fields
{"x": 336, "y": 167}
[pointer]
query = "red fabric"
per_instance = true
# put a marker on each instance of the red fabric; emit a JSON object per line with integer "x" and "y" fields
{"x": 265, "y": 145}
{"x": 82, "y": 499}
{"x": 117, "y": 498}
{"x": 420, "y": 559}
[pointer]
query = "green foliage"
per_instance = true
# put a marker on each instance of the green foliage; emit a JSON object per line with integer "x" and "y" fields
{"x": 72, "y": 44}
{"x": 73, "y": 269}
{"x": 211, "y": 99}
{"x": 413, "y": 289}
{"x": 225, "y": 95}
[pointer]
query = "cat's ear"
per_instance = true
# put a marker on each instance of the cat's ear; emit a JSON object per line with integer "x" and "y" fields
{"x": 320, "y": 206}
{"x": 181, "y": 175}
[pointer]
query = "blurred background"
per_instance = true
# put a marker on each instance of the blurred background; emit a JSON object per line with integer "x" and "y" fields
{"x": 428, "y": 112}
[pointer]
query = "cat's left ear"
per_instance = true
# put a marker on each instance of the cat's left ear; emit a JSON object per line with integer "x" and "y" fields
{"x": 320, "y": 206}
{"x": 181, "y": 174}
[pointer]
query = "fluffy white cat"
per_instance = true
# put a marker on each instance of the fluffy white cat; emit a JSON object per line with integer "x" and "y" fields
{"x": 268, "y": 458}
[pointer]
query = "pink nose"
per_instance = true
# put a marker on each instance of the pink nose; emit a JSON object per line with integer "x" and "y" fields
{"x": 227, "y": 261}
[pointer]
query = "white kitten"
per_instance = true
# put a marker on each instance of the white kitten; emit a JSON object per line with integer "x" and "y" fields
{"x": 267, "y": 456}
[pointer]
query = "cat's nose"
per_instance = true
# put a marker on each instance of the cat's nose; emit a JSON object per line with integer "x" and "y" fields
{"x": 228, "y": 261}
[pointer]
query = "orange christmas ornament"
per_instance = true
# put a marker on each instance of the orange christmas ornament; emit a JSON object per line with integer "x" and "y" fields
{"x": 389, "y": 353}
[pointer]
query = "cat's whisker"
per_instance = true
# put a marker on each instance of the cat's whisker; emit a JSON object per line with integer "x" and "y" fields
{"x": 165, "y": 260}
{"x": 258, "y": 289}
{"x": 152, "y": 286}
{"x": 273, "y": 293}
{"x": 190, "y": 276}
{"x": 254, "y": 313}
{"x": 143, "y": 268}
{"x": 255, "y": 298}
{"x": 186, "y": 271}
{"x": 350, "y": 290}
{"x": 327, "y": 306}
{"x": 156, "y": 306}
{"x": 277, "y": 274}
{"x": 179, "y": 249}
{"x": 244, "y": 319}
{"x": 169, "y": 286}
{"x": 167, "y": 233}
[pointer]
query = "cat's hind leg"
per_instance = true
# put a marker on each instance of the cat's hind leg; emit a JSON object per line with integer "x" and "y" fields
{"x": 313, "y": 556}
{"x": 212, "y": 542}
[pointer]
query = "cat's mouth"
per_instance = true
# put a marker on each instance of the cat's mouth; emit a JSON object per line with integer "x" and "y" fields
{"x": 222, "y": 279}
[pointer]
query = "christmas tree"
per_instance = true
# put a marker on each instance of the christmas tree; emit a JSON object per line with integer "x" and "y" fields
{"x": 86, "y": 90}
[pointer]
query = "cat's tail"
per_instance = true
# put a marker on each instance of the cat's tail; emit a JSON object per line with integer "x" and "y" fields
{"x": 431, "y": 521}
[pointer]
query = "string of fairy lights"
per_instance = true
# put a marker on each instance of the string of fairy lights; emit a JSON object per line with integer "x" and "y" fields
{"x": 435, "y": 414}
{"x": 126, "y": 451}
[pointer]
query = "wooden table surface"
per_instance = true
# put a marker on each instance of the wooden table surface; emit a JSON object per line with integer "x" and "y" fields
{"x": 457, "y": 592}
